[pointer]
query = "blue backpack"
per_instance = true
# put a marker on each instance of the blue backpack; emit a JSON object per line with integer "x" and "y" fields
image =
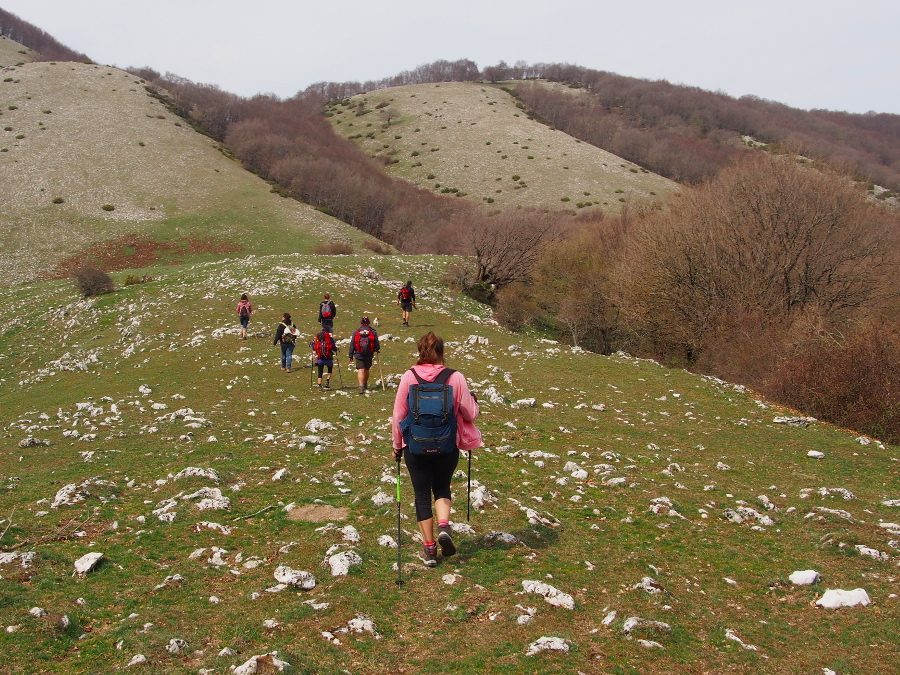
{"x": 430, "y": 424}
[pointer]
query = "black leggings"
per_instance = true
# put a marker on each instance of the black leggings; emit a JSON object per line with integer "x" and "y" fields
{"x": 430, "y": 474}
{"x": 323, "y": 366}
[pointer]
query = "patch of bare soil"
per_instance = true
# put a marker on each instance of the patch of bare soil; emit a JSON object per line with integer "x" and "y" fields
{"x": 318, "y": 513}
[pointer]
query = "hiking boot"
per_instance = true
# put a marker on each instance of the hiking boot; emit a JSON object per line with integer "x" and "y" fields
{"x": 328, "y": 384}
{"x": 428, "y": 555}
{"x": 362, "y": 390}
{"x": 446, "y": 542}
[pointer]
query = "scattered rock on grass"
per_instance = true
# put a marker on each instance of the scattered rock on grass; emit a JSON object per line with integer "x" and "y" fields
{"x": 263, "y": 663}
{"x": 88, "y": 563}
{"x": 804, "y": 577}
{"x": 835, "y": 598}
{"x": 551, "y": 595}
{"x": 543, "y": 644}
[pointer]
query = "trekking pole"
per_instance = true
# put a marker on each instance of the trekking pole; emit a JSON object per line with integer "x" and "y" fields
{"x": 341, "y": 377}
{"x": 381, "y": 374}
{"x": 311, "y": 364}
{"x": 399, "y": 577}
{"x": 469, "y": 489}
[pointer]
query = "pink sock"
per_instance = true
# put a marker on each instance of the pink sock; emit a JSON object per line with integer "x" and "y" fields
{"x": 443, "y": 523}
{"x": 429, "y": 543}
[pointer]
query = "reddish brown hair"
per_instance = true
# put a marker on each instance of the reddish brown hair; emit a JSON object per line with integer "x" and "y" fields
{"x": 431, "y": 349}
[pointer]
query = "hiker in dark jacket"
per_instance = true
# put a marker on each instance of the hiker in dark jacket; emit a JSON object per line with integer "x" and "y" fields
{"x": 363, "y": 346}
{"x": 406, "y": 298}
{"x": 327, "y": 312}
{"x": 286, "y": 335}
{"x": 324, "y": 349}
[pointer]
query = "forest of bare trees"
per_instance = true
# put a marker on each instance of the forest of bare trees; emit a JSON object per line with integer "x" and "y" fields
{"x": 689, "y": 134}
{"x": 774, "y": 274}
{"x": 47, "y": 47}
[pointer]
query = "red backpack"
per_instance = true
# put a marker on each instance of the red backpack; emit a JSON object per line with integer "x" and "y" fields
{"x": 324, "y": 347}
{"x": 326, "y": 310}
{"x": 362, "y": 341}
{"x": 405, "y": 294}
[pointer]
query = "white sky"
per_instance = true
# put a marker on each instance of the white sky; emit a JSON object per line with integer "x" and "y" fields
{"x": 806, "y": 53}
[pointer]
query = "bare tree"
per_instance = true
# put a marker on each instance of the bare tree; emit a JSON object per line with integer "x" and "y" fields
{"x": 507, "y": 246}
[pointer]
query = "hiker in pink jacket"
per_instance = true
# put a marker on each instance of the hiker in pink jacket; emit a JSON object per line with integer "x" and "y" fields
{"x": 244, "y": 310}
{"x": 431, "y": 473}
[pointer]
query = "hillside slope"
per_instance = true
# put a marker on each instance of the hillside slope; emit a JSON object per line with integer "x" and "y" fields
{"x": 641, "y": 493}
{"x": 471, "y": 139}
{"x": 11, "y": 53}
{"x": 88, "y": 156}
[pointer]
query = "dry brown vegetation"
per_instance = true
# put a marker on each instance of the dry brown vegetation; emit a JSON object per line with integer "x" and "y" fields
{"x": 47, "y": 47}
{"x": 773, "y": 275}
{"x": 688, "y": 134}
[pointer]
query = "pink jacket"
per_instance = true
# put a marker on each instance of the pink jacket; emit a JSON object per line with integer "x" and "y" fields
{"x": 243, "y": 303}
{"x": 467, "y": 434}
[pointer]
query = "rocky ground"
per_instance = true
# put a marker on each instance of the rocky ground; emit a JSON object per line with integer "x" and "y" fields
{"x": 170, "y": 501}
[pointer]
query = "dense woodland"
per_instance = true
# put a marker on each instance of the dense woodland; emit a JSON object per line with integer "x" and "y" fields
{"x": 47, "y": 47}
{"x": 767, "y": 271}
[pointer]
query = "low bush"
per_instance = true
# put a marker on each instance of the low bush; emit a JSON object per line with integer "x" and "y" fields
{"x": 133, "y": 279}
{"x": 853, "y": 380}
{"x": 58, "y": 200}
{"x": 334, "y": 248}
{"x": 92, "y": 281}
{"x": 108, "y": 207}
{"x": 377, "y": 247}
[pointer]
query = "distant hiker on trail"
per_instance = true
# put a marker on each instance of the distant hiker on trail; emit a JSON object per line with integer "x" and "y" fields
{"x": 327, "y": 312}
{"x": 406, "y": 298}
{"x": 286, "y": 335}
{"x": 429, "y": 437}
{"x": 324, "y": 348}
{"x": 363, "y": 346}
{"x": 244, "y": 310}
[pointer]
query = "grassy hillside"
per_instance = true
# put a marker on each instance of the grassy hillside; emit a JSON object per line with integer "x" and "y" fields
{"x": 12, "y": 53}
{"x": 472, "y": 140}
{"x": 88, "y": 156}
{"x": 620, "y": 486}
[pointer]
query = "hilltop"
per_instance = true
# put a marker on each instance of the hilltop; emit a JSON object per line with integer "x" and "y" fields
{"x": 641, "y": 494}
{"x": 89, "y": 157}
{"x": 474, "y": 141}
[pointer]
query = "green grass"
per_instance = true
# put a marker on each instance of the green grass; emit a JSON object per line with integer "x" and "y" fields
{"x": 179, "y": 351}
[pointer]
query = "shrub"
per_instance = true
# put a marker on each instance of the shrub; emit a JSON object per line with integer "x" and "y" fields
{"x": 853, "y": 381}
{"x": 334, "y": 248}
{"x": 430, "y": 176}
{"x": 133, "y": 279}
{"x": 92, "y": 281}
{"x": 108, "y": 207}
{"x": 377, "y": 247}
{"x": 516, "y": 177}
{"x": 565, "y": 199}
{"x": 58, "y": 200}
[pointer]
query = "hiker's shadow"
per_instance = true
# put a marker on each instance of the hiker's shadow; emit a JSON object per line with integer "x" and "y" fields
{"x": 530, "y": 538}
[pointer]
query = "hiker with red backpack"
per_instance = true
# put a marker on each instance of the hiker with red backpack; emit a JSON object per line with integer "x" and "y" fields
{"x": 434, "y": 415}
{"x": 327, "y": 312}
{"x": 244, "y": 310}
{"x": 406, "y": 298}
{"x": 324, "y": 348}
{"x": 363, "y": 347}
{"x": 286, "y": 337}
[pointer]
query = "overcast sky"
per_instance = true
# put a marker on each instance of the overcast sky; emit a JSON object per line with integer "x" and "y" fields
{"x": 810, "y": 54}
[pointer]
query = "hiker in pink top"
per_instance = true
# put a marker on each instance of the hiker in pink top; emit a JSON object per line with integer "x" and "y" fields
{"x": 431, "y": 473}
{"x": 244, "y": 310}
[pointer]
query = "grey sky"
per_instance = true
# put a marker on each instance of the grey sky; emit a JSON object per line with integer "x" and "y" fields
{"x": 809, "y": 54}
